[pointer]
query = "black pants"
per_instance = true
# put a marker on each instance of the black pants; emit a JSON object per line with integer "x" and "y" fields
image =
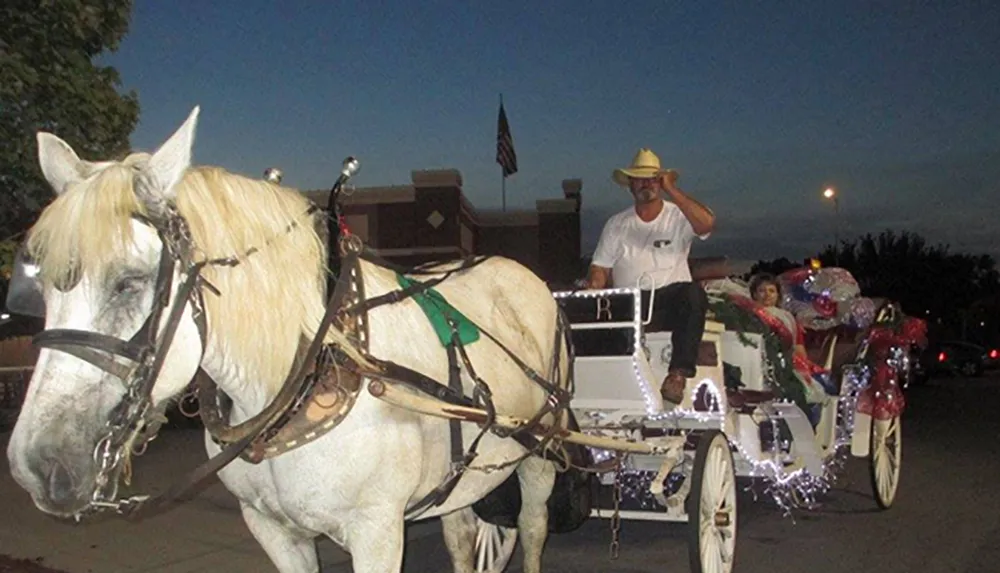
{"x": 679, "y": 308}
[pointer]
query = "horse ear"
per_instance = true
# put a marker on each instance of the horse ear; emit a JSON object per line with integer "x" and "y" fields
{"x": 165, "y": 168}
{"x": 60, "y": 164}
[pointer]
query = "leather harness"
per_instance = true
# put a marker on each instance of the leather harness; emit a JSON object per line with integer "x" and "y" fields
{"x": 319, "y": 392}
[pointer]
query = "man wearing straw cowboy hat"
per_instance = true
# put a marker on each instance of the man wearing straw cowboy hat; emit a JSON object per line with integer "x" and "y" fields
{"x": 647, "y": 245}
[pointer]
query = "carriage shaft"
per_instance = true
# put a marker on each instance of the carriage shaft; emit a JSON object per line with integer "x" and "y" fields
{"x": 402, "y": 398}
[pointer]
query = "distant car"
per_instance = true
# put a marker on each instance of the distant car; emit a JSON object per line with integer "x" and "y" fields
{"x": 992, "y": 359}
{"x": 955, "y": 357}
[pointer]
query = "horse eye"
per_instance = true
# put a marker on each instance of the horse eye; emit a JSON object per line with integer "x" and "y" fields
{"x": 129, "y": 284}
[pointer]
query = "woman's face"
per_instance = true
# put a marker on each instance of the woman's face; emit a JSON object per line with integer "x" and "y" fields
{"x": 766, "y": 294}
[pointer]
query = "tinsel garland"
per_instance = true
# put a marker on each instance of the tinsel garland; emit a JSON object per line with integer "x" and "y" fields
{"x": 888, "y": 347}
{"x": 742, "y": 321}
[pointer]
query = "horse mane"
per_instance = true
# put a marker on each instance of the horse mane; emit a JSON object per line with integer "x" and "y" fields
{"x": 268, "y": 302}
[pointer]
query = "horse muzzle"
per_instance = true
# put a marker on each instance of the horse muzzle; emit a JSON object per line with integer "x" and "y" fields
{"x": 58, "y": 486}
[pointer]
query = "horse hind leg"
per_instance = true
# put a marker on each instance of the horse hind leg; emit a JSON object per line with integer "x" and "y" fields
{"x": 537, "y": 477}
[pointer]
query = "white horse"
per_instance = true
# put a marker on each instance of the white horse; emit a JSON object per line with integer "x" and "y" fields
{"x": 99, "y": 258}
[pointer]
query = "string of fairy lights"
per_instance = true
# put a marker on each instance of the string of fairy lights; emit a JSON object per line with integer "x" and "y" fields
{"x": 787, "y": 489}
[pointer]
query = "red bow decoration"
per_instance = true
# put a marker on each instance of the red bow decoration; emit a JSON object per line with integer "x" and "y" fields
{"x": 883, "y": 399}
{"x": 825, "y": 306}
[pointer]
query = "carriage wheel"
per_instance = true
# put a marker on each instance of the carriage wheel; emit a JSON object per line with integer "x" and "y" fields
{"x": 885, "y": 457}
{"x": 494, "y": 546}
{"x": 712, "y": 506}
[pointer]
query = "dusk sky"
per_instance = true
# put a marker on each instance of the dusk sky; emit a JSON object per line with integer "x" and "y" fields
{"x": 760, "y": 106}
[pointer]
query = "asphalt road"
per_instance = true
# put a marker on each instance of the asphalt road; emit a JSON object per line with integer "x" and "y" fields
{"x": 946, "y": 517}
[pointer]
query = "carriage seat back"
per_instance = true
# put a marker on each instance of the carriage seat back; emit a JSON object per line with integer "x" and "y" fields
{"x": 709, "y": 268}
{"x": 618, "y": 364}
{"x": 843, "y": 341}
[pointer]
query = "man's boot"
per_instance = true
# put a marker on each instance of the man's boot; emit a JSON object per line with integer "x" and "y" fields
{"x": 672, "y": 389}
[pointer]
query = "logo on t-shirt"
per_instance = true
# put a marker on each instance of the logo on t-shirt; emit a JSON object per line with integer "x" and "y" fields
{"x": 661, "y": 243}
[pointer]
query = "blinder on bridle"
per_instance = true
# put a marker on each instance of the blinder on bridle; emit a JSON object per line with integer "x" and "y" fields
{"x": 106, "y": 352}
{"x": 24, "y": 291}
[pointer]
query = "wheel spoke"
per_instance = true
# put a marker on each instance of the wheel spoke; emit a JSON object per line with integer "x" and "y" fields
{"x": 709, "y": 481}
{"x": 724, "y": 488}
{"x": 709, "y": 551}
{"x": 480, "y": 553}
{"x": 494, "y": 546}
{"x": 487, "y": 552}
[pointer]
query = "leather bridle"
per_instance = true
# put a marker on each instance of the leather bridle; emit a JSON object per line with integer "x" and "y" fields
{"x": 137, "y": 362}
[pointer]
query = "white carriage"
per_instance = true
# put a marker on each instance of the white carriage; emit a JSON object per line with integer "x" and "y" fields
{"x": 698, "y": 448}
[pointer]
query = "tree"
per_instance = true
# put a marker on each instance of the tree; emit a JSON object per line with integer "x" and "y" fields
{"x": 49, "y": 81}
{"x": 928, "y": 281}
{"x": 8, "y": 249}
{"x": 775, "y": 267}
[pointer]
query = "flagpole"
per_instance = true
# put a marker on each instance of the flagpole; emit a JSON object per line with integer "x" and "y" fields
{"x": 503, "y": 189}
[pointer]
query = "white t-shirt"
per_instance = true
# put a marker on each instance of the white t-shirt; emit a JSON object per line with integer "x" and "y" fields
{"x": 631, "y": 247}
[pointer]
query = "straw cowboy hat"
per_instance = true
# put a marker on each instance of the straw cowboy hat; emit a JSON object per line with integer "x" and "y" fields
{"x": 645, "y": 164}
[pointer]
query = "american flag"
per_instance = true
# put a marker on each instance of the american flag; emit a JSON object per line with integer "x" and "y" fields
{"x": 505, "y": 145}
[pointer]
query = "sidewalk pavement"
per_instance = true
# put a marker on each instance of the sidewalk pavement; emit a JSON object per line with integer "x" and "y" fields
{"x": 205, "y": 534}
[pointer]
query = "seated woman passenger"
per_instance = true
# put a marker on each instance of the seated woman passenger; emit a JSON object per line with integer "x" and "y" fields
{"x": 766, "y": 291}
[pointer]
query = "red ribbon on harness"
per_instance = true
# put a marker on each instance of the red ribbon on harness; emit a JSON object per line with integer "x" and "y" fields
{"x": 342, "y": 224}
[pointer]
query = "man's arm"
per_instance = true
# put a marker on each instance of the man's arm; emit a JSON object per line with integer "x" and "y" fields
{"x": 702, "y": 218}
{"x": 598, "y": 277}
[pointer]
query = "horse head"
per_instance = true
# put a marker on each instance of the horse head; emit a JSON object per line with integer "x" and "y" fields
{"x": 106, "y": 279}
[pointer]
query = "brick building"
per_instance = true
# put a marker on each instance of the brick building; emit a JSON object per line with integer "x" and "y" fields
{"x": 431, "y": 219}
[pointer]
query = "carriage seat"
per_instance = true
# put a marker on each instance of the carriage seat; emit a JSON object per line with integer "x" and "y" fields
{"x": 844, "y": 341}
{"x": 703, "y": 269}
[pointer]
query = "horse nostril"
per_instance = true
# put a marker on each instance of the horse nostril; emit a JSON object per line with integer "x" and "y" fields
{"x": 60, "y": 482}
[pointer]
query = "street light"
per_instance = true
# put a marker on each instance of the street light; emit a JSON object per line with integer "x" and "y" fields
{"x": 831, "y": 194}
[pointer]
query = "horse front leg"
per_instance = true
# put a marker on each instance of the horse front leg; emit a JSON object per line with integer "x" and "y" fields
{"x": 375, "y": 538}
{"x": 290, "y": 551}
{"x": 537, "y": 477}
{"x": 459, "y": 529}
